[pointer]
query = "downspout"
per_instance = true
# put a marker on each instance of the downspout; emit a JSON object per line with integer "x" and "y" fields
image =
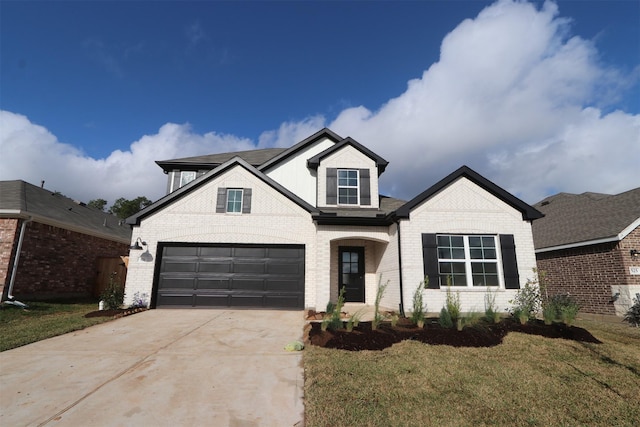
{"x": 401, "y": 307}
{"x": 14, "y": 270}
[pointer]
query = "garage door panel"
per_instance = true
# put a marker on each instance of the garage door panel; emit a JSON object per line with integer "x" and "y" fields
{"x": 231, "y": 275}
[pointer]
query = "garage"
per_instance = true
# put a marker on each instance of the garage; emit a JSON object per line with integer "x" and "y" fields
{"x": 230, "y": 275}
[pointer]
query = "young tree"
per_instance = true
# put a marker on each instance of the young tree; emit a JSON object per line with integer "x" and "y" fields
{"x": 124, "y": 208}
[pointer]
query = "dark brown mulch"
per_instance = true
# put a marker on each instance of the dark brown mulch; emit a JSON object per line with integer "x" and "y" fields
{"x": 121, "y": 312}
{"x": 480, "y": 335}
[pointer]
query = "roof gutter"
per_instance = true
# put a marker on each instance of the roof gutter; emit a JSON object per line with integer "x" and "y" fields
{"x": 10, "y": 298}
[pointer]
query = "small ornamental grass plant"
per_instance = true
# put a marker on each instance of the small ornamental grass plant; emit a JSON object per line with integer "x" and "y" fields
{"x": 491, "y": 314}
{"x": 377, "y": 316}
{"x": 354, "y": 320}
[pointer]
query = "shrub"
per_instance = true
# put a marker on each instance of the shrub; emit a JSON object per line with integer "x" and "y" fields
{"x": 526, "y": 303}
{"x": 548, "y": 314}
{"x": 377, "y": 317}
{"x": 453, "y": 303}
{"x": 562, "y": 307}
{"x": 332, "y": 318}
{"x": 354, "y": 320}
{"x": 113, "y": 294}
{"x": 632, "y": 316}
{"x": 490, "y": 312}
{"x": 417, "y": 315}
{"x": 445, "y": 319}
{"x": 139, "y": 300}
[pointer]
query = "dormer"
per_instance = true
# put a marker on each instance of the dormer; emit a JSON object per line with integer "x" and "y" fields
{"x": 347, "y": 176}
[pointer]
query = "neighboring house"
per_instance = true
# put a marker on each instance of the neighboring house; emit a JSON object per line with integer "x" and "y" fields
{"x": 588, "y": 246}
{"x": 62, "y": 243}
{"x": 288, "y": 228}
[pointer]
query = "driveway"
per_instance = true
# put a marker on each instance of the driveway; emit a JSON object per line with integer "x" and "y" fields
{"x": 160, "y": 367}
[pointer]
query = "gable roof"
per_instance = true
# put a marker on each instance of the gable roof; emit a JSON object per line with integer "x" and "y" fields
{"x": 321, "y": 134}
{"x": 19, "y": 199}
{"x": 583, "y": 219}
{"x": 381, "y": 163}
{"x": 528, "y": 212}
{"x": 210, "y": 161}
{"x": 193, "y": 185}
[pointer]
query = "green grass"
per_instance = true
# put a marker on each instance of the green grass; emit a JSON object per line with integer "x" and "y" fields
{"x": 526, "y": 381}
{"x": 43, "y": 320}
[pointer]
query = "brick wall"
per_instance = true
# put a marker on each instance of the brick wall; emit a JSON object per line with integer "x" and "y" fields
{"x": 8, "y": 241}
{"x": 55, "y": 262}
{"x": 587, "y": 274}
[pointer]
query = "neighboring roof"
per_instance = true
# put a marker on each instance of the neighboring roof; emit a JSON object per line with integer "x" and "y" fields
{"x": 236, "y": 161}
{"x": 381, "y": 163}
{"x": 253, "y": 157}
{"x": 528, "y": 212}
{"x": 19, "y": 199}
{"x": 321, "y": 134}
{"x": 583, "y": 219}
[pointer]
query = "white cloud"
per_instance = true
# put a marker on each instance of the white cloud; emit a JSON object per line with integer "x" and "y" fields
{"x": 31, "y": 153}
{"x": 513, "y": 96}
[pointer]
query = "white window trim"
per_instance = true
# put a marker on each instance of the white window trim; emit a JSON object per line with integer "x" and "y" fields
{"x": 226, "y": 206}
{"x": 183, "y": 174}
{"x": 468, "y": 262}
{"x": 357, "y": 187}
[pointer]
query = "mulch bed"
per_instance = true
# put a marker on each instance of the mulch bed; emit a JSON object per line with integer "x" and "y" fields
{"x": 121, "y": 312}
{"x": 480, "y": 335}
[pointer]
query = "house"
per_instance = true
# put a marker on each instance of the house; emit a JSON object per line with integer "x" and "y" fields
{"x": 288, "y": 228}
{"x": 53, "y": 246}
{"x": 588, "y": 246}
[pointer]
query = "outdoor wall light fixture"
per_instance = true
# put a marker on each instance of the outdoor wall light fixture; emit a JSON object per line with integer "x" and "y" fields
{"x": 137, "y": 245}
{"x": 634, "y": 252}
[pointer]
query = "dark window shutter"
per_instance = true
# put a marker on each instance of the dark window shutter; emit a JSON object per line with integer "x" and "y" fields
{"x": 221, "y": 203}
{"x": 509, "y": 262}
{"x": 365, "y": 187}
{"x": 430, "y": 260}
{"x": 176, "y": 180}
{"x": 332, "y": 186}
{"x": 246, "y": 200}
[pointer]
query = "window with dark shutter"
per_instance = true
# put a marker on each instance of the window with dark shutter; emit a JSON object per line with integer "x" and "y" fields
{"x": 221, "y": 202}
{"x": 246, "y": 201}
{"x": 332, "y": 186}
{"x": 509, "y": 262}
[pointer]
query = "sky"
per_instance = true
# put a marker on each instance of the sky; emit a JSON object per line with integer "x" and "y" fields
{"x": 539, "y": 97}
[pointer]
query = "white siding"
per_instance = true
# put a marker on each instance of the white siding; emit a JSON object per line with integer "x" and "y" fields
{"x": 294, "y": 175}
{"x": 463, "y": 208}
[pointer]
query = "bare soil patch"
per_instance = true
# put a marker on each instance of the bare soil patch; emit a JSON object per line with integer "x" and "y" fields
{"x": 480, "y": 335}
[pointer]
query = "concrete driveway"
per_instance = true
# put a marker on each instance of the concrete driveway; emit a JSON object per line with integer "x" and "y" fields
{"x": 160, "y": 367}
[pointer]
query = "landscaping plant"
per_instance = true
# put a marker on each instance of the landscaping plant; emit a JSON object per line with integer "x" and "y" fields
{"x": 526, "y": 303}
{"x": 453, "y": 302}
{"x": 139, "y": 300}
{"x": 354, "y": 320}
{"x": 417, "y": 315}
{"x": 377, "y": 317}
{"x": 332, "y": 318}
{"x": 632, "y": 315}
{"x": 113, "y": 294}
{"x": 490, "y": 313}
{"x": 445, "y": 319}
{"x": 565, "y": 308}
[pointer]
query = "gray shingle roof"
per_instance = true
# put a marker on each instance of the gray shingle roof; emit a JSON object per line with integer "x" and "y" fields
{"x": 576, "y": 218}
{"x": 254, "y": 157}
{"x": 21, "y": 199}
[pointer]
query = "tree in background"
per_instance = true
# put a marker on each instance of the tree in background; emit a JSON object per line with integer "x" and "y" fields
{"x": 97, "y": 204}
{"x": 123, "y": 208}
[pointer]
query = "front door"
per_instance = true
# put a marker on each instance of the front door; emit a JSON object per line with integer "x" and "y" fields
{"x": 351, "y": 272}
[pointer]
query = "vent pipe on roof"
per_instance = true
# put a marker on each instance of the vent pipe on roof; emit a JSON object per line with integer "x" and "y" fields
{"x": 10, "y": 298}
{"x": 42, "y": 184}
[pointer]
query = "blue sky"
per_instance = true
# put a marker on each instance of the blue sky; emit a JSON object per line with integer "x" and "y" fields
{"x": 115, "y": 85}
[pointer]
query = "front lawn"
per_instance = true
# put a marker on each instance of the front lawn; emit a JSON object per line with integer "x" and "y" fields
{"x": 527, "y": 380}
{"x": 43, "y": 320}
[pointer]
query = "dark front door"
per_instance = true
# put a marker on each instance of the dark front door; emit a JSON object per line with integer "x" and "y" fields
{"x": 352, "y": 273}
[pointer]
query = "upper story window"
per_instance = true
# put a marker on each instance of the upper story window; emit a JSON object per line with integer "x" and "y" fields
{"x": 467, "y": 260}
{"x": 348, "y": 187}
{"x": 234, "y": 200}
{"x": 186, "y": 177}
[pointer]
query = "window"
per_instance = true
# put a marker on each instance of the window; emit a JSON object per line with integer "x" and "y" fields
{"x": 234, "y": 200}
{"x": 348, "y": 187}
{"x": 186, "y": 177}
{"x": 467, "y": 260}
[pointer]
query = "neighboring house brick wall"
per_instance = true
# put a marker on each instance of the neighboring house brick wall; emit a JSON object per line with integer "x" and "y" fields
{"x": 55, "y": 262}
{"x": 463, "y": 208}
{"x": 593, "y": 274}
{"x": 9, "y": 229}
